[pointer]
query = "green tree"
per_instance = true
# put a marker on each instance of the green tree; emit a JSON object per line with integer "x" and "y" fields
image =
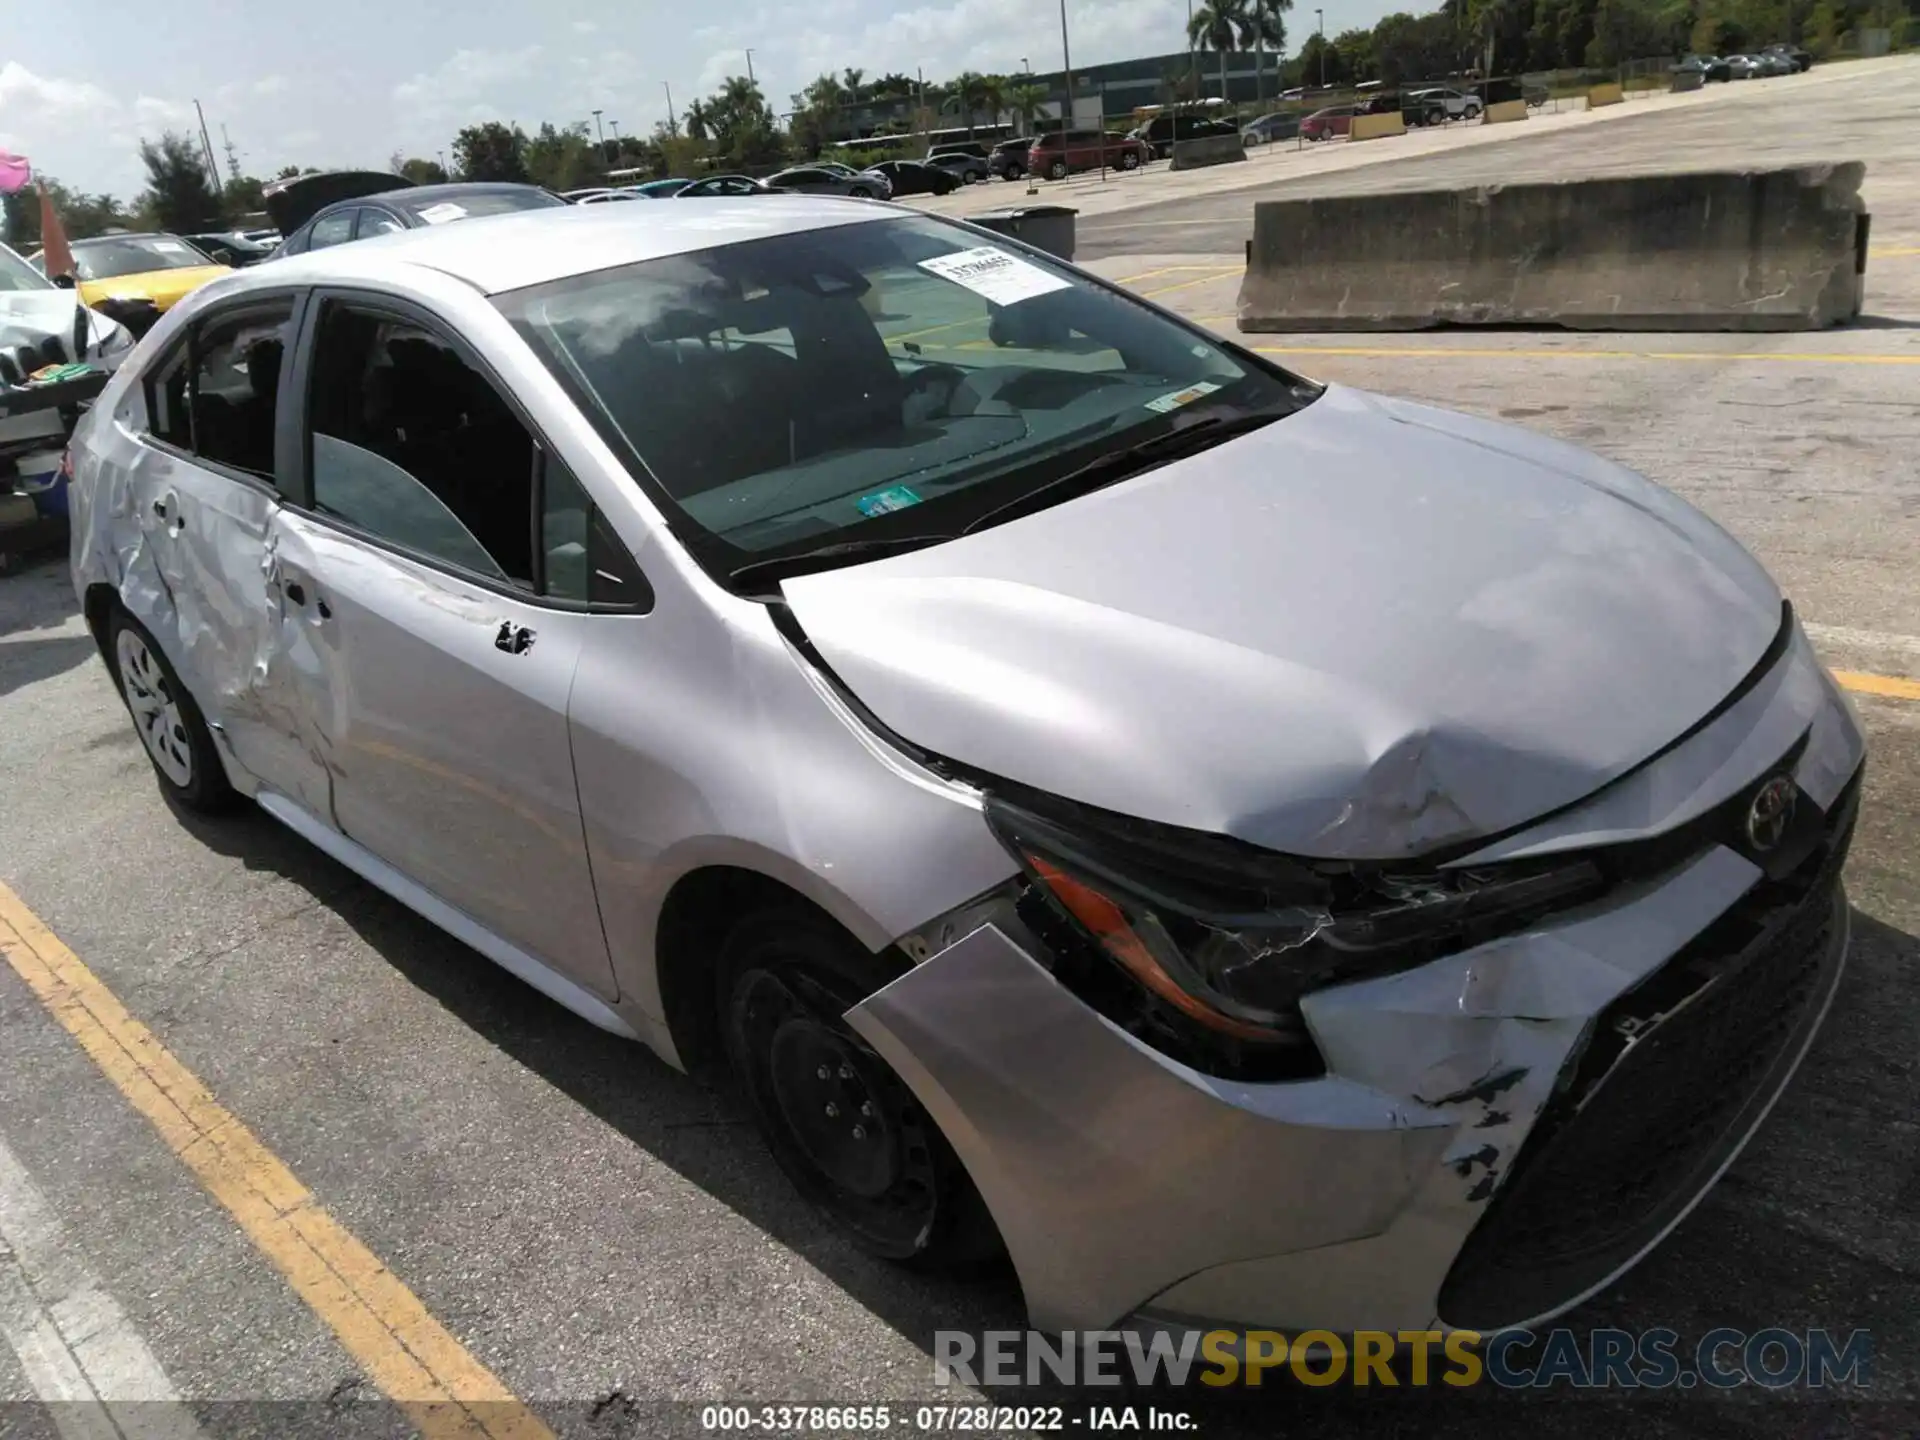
{"x": 81, "y": 215}
{"x": 180, "y": 195}
{"x": 241, "y": 198}
{"x": 964, "y": 97}
{"x": 1322, "y": 61}
{"x": 1025, "y": 98}
{"x": 1357, "y": 57}
{"x": 700, "y": 121}
{"x": 1259, "y": 28}
{"x": 420, "y": 171}
{"x": 565, "y": 159}
{"x": 491, "y": 151}
{"x": 1215, "y": 27}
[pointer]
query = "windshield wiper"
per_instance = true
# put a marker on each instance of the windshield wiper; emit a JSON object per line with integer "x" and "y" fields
{"x": 827, "y": 557}
{"x": 1116, "y": 465}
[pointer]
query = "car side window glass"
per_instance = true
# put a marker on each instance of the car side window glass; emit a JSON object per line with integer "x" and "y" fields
{"x": 166, "y": 386}
{"x": 412, "y": 444}
{"x": 586, "y": 561}
{"x": 333, "y": 229}
{"x": 376, "y": 222}
{"x": 235, "y": 383}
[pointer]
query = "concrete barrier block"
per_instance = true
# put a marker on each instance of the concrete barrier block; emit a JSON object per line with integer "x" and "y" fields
{"x": 1375, "y": 127}
{"x": 1609, "y": 94}
{"x": 1208, "y": 150}
{"x": 1685, "y": 80}
{"x": 1502, "y": 111}
{"x": 1763, "y": 250}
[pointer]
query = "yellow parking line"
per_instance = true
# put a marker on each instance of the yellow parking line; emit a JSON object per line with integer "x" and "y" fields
{"x": 414, "y": 1361}
{"x": 1410, "y": 352}
{"x": 1218, "y": 274}
{"x": 1171, "y": 269}
{"x": 1889, "y": 686}
{"x": 1890, "y": 251}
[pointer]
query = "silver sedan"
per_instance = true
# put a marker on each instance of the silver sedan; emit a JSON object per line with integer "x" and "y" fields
{"x": 1258, "y": 851}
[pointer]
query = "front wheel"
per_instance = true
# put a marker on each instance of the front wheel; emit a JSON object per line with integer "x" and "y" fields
{"x": 1473, "y": 112}
{"x": 1129, "y": 161}
{"x": 843, "y": 1126}
{"x": 860, "y": 192}
{"x": 1016, "y": 172}
{"x": 169, "y": 723}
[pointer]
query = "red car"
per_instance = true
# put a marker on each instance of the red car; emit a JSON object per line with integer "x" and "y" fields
{"x": 1327, "y": 123}
{"x": 1059, "y": 154}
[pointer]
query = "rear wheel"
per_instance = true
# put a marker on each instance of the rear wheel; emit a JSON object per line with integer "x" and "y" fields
{"x": 846, "y": 1130}
{"x": 860, "y": 192}
{"x": 171, "y": 728}
{"x": 1016, "y": 172}
{"x": 1057, "y": 170}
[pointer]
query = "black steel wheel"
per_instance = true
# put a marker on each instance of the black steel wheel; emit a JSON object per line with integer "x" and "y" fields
{"x": 846, "y": 1130}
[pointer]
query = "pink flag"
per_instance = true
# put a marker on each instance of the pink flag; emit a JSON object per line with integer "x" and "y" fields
{"x": 15, "y": 172}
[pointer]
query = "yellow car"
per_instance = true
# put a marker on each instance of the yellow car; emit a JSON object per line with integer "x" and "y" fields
{"x": 123, "y": 275}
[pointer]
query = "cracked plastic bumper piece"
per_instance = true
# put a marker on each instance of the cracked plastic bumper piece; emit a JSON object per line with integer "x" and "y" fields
{"x": 1498, "y": 1134}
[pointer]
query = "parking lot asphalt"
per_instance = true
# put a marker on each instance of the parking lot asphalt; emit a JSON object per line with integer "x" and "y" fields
{"x": 562, "y": 1217}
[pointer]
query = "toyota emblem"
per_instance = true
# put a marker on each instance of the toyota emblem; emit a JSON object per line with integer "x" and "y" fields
{"x": 1770, "y": 813}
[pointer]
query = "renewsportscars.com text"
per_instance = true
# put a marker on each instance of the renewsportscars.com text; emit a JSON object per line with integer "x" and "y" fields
{"x": 1660, "y": 1359}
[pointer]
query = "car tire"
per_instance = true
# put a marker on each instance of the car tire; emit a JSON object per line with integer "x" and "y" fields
{"x": 859, "y": 192}
{"x": 1057, "y": 170}
{"x": 1473, "y": 112}
{"x": 1129, "y": 161}
{"x": 846, "y": 1130}
{"x": 1016, "y": 172}
{"x": 171, "y": 728}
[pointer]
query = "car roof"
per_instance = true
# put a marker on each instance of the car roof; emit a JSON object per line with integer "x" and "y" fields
{"x": 531, "y": 247}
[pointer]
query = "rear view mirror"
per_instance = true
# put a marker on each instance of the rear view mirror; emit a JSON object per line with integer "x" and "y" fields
{"x": 1028, "y": 325}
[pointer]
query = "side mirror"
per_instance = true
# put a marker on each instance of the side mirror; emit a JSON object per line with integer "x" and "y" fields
{"x": 66, "y": 282}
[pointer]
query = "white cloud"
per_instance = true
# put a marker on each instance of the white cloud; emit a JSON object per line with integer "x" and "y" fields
{"x": 465, "y": 87}
{"x": 584, "y": 27}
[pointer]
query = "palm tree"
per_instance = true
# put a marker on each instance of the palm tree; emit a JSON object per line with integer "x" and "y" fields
{"x": 993, "y": 96}
{"x": 964, "y": 97}
{"x": 1025, "y": 99}
{"x": 851, "y": 78}
{"x": 1213, "y": 28}
{"x": 699, "y": 120}
{"x": 1259, "y": 27}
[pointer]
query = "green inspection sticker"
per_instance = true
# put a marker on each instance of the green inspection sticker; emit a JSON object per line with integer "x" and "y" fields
{"x": 885, "y": 502}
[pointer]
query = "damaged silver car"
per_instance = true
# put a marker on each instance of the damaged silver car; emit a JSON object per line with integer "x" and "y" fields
{"x": 1259, "y": 852}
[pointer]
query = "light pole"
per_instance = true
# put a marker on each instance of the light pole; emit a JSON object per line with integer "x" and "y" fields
{"x": 1321, "y": 16}
{"x": 673, "y": 125}
{"x": 1192, "y": 79}
{"x": 1066, "y": 64}
{"x": 750, "y": 79}
{"x": 599, "y": 133}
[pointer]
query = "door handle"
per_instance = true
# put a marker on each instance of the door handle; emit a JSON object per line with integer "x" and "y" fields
{"x": 294, "y": 592}
{"x": 513, "y": 639}
{"x": 160, "y": 508}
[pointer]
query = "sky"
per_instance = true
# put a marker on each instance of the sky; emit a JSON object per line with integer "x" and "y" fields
{"x": 349, "y": 82}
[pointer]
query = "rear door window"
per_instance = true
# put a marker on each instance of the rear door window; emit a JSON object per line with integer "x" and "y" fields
{"x": 332, "y": 229}
{"x": 216, "y": 396}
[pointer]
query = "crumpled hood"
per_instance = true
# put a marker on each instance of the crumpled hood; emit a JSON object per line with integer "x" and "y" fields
{"x": 1366, "y": 631}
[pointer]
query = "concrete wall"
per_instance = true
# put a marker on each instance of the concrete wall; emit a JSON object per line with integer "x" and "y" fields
{"x": 1503, "y": 111}
{"x": 1598, "y": 95}
{"x": 1375, "y": 127}
{"x": 1768, "y": 250}
{"x": 1208, "y": 150}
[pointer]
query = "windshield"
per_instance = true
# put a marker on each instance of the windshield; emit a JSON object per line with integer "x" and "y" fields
{"x": 17, "y": 274}
{"x": 469, "y": 206}
{"x": 118, "y": 255}
{"x": 871, "y": 381}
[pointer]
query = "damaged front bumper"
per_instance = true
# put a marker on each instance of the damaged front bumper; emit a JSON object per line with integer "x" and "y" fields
{"x": 1497, "y": 1135}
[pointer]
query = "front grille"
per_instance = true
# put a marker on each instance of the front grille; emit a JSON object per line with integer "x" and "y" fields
{"x": 1673, "y": 1078}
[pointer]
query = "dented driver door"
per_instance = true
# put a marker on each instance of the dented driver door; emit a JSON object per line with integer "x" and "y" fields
{"x": 203, "y": 575}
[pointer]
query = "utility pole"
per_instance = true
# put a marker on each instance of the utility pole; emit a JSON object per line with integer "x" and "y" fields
{"x": 1193, "y": 77}
{"x": 920, "y": 103}
{"x": 206, "y": 148}
{"x": 1321, "y": 16}
{"x": 599, "y": 132}
{"x": 1066, "y": 63}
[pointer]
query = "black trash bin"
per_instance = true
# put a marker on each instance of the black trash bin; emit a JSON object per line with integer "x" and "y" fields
{"x": 1045, "y": 227}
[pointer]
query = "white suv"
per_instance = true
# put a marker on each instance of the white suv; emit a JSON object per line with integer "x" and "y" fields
{"x": 1458, "y": 104}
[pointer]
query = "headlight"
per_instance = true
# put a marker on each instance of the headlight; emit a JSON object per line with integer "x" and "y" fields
{"x": 1226, "y": 938}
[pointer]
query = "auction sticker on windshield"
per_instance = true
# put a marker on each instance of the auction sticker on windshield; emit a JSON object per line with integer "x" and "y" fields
{"x": 439, "y": 214}
{"x": 1164, "y": 403}
{"x": 994, "y": 275}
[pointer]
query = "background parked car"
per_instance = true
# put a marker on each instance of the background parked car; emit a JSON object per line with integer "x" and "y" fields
{"x": 1802, "y": 59}
{"x": 708, "y": 186}
{"x": 1269, "y": 128}
{"x": 662, "y": 189}
{"x": 1745, "y": 67}
{"x": 914, "y": 177}
{"x": 1159, "y": 133}
{"x": 1063, "y": 152}
{"x": 233, "y": 248}
{"x": 957, "y": 147}
{"x": 962, "y": 165}
{"x": 135, "y": 279}
{"x": 1009, "y": 158}
{"x": 1458, "y": 104}
{"x": 416, "y": 206}
{"x": 1328, "y": 123}
{"x": 1707, "y": 67}
{"x": 815, "y": 180}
